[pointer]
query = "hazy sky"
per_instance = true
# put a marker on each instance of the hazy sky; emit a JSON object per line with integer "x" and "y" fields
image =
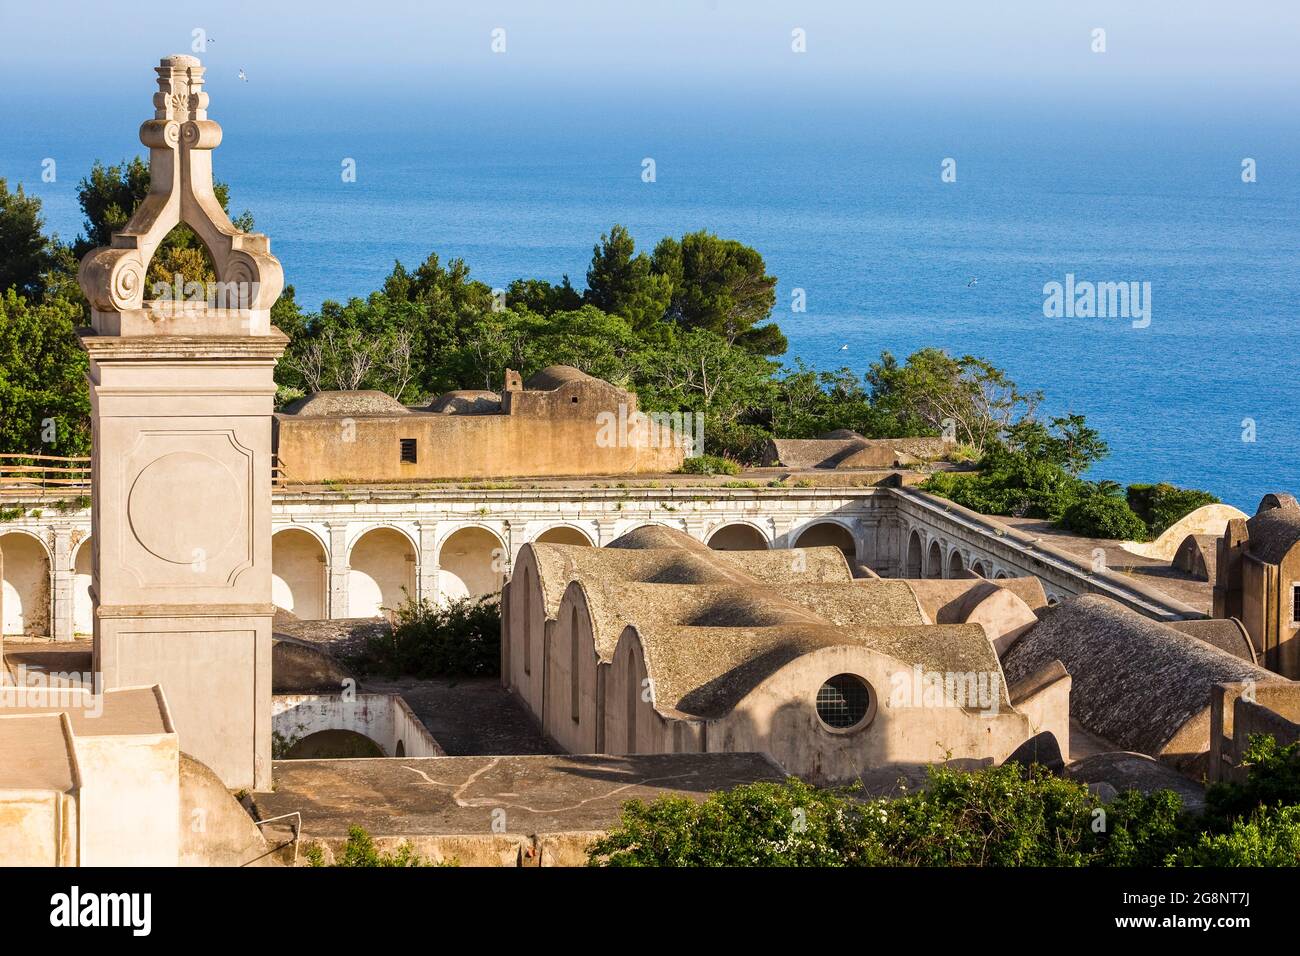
{"x": 1192, "y": 52}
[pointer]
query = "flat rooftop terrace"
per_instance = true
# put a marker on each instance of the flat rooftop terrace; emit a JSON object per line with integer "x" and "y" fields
{"x": 503, "y": 810}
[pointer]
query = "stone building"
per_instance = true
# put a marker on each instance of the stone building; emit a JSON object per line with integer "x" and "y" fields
{"x": 1138, "y": 685}
{"x": 560, "y": 421}
{"x": 658, "y": 644}
{"x": 1257, "y": 580}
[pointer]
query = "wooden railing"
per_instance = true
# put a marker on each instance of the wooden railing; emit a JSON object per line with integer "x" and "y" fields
{"x": 37, "y": 476}
{"x": 41, "y": 475}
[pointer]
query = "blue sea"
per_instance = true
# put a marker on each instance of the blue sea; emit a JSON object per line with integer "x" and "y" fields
{"x": 846, "y": 202}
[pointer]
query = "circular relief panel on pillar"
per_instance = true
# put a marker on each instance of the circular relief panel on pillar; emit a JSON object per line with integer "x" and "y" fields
{"x": 185, "y": 507}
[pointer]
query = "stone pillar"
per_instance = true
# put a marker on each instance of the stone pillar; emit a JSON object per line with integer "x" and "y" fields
{"x": 62, "y": 579}
{"x": 339, "y": 569}
{"x": 605, "y": 530}
{"x": 181, "y": 398}
{"x": 427, "y": 566}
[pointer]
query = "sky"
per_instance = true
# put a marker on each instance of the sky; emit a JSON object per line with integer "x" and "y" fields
{"x": 438, "y": 56}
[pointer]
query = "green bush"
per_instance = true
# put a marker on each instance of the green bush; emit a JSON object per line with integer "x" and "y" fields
{"x": 462, "y": 639}
{"x": 1161, "y": 505}
{"x": 1273, "y": 779}
{"x": 997, "y": 816}
{"x": 1098, "y": 515}
{"x": 761, "y": 824}
{"x": 709, "y": 465}
{"x": 1268, "y": 837}
{"x": 360, "y": 850}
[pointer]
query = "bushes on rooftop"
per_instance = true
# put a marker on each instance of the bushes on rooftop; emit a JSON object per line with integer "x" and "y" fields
{"x": 1097, "y": 514}
{"x": 995, "y": 816}
{"x": 360, "y": 851}
{"x": 709, "y": 465}
{"x": 460, "y": 639}
{"x": 1163, "y": 504}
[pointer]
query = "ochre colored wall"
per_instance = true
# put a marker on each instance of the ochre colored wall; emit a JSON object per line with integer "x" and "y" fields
{"x": 458, "y": 446}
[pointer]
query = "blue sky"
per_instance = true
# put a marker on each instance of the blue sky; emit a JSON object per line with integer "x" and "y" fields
{"x": 1208, "y": 55}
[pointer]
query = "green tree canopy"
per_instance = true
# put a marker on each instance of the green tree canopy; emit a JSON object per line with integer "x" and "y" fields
{"x": 26, "y": 254}
{"x": 623, "y": 282}
{"x": 42, "y": 378}
{"x": 721, "y": 286}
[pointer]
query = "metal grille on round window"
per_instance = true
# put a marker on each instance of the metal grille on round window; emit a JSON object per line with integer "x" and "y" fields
{"x": 843, "y": 701}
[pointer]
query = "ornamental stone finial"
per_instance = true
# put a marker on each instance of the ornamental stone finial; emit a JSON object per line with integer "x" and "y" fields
{"x": 249, "y": 279}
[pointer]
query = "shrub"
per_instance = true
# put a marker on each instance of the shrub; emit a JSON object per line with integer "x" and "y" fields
{"x": 709, "y": 465}
{"x": 1269, "y": 837}
{"x": 995, "y": 816}
{"x": 1161, "y": 505}
{"x": 1272, "y": 779}
{"x": 761, "y": 824}
{"x": 462, "y": 639}
{"x": 1098, "y": 515}
{"x": 360, "y": 850}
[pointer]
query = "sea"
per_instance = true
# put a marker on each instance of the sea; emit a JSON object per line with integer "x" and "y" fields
{"x": 895, "y": 224}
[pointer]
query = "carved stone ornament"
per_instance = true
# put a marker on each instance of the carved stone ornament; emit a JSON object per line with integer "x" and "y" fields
{"x": 249, "y": 279}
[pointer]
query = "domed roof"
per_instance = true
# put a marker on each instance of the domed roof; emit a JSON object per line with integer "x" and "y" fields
{"x": 553, "y": 376}
{"x": 342, "y": 404}
{"x": 467, "y": 401}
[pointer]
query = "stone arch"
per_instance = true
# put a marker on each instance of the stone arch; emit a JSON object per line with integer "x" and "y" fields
{"x": 334, "y": 745}
{"x": 300, "y": 573}
{"x": 978, "y": 567}
{"x": 83, "y": 608}
{"x": 826, "y": 532}
{"x": 934, "y": 560}
{"x": 381, "y": 572}
{"x": 564, "y": 534}
{"x": 738, "y": 536}
{"x": 1000, "y": 574}
{"x": 471, "y": 563}
{"x": 956, "y": 566}
{"x": 26, "y": 584}
{"x": 912, "y": 570}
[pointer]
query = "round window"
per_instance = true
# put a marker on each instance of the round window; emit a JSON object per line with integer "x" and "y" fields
{"x": 844, "y": 701}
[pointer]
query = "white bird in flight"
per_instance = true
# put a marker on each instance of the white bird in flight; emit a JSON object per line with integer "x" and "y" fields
{"x": 972, "y": 281}
{"x": 242, "y": 76}
{"x": 844, "y": 348}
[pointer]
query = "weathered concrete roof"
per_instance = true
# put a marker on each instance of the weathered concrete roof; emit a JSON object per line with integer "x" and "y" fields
{"x": 1227, "y": 634}
{"x": 1125, "y": 770}
{"x": 35, "y": 753}
{"x": 553, "y": 376}
{"x": 615, "y": 604}
{"x": 629, "y": 560}
{"x": 706, "y": 671}
{"x": 657, "y": 536}
{"x": 1273, "y": 532}
{"x": 1135, "y": 681}
{"x": 445, "y": 805}
{"x": 859, "y": 602}
{"x": 467, "y": 401}
{"x": 813, "y": 452}
{"x": 343, "y": 404}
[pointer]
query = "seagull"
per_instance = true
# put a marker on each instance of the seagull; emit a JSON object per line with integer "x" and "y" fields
{"x": 844, "y": 348}
{"x": 242, "y": 76}
{"x": 972, "y": 281}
